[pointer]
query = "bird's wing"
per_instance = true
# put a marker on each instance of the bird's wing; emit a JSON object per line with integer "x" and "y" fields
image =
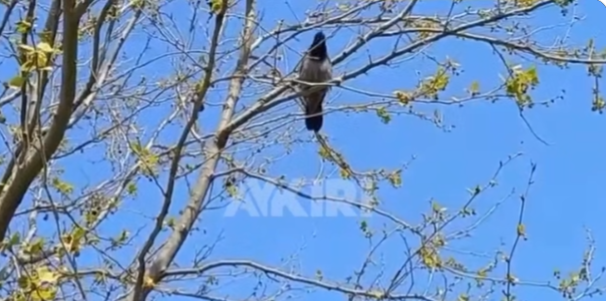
{"x": 313, "y": 102}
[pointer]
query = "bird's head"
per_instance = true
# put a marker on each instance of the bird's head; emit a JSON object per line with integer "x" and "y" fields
{"x": 318, "y": 47}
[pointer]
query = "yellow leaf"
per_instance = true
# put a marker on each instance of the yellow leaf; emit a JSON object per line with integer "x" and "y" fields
{"x": 345, "y": 174}
{"x": 216, "y": 5}
{"x": 148, "y": 282}
{"x": 232, "y": 190}
{"x": 46, "y": 275}
{"x": 79, "y": 233}
{"x": 430, "y": 257}
{"x": 525, "y": 3}
{"x": 475, "y": 87}
{"x": 463, "y": 297}
{"x": 403, "y": 97}
{"x": 41, "y": 60}
{"x": 62, "y": 187}
{"x": 521, "y": 230}
{"x": 324, "y": 153}
{"x": 377, "y": 294}
{"x": 23, "y": 26}
{"x": 44, "y": 294}
{"x": 46, "y": 286}
{"x": 26, "y": 48}
{"x": 45, "y": 47}
{"x": 27, "y": 66}
{"x": 34, "y": 247}
{"x": 436, "y": 208}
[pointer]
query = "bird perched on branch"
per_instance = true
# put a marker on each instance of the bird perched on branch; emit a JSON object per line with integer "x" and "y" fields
{"x": 315, "y": 68}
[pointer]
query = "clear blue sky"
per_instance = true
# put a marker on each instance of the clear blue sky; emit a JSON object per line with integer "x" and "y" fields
{"x": 566, "y": 197}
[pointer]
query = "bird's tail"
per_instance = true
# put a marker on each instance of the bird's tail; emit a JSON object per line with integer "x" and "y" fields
{"x": 313, "y": 123}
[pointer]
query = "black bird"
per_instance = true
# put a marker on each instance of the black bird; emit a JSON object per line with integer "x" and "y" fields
{"x": 315, "y": 68}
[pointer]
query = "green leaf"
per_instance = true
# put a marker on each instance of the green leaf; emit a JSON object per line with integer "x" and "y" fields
{"x": 395, "y": 178}
{"x": 23, "y": 26}
{"x": 15, "y": 239}
{"x": 384, "y": 115}
{"x": 16, "y": 82}
{"x": 131, "y": 188}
